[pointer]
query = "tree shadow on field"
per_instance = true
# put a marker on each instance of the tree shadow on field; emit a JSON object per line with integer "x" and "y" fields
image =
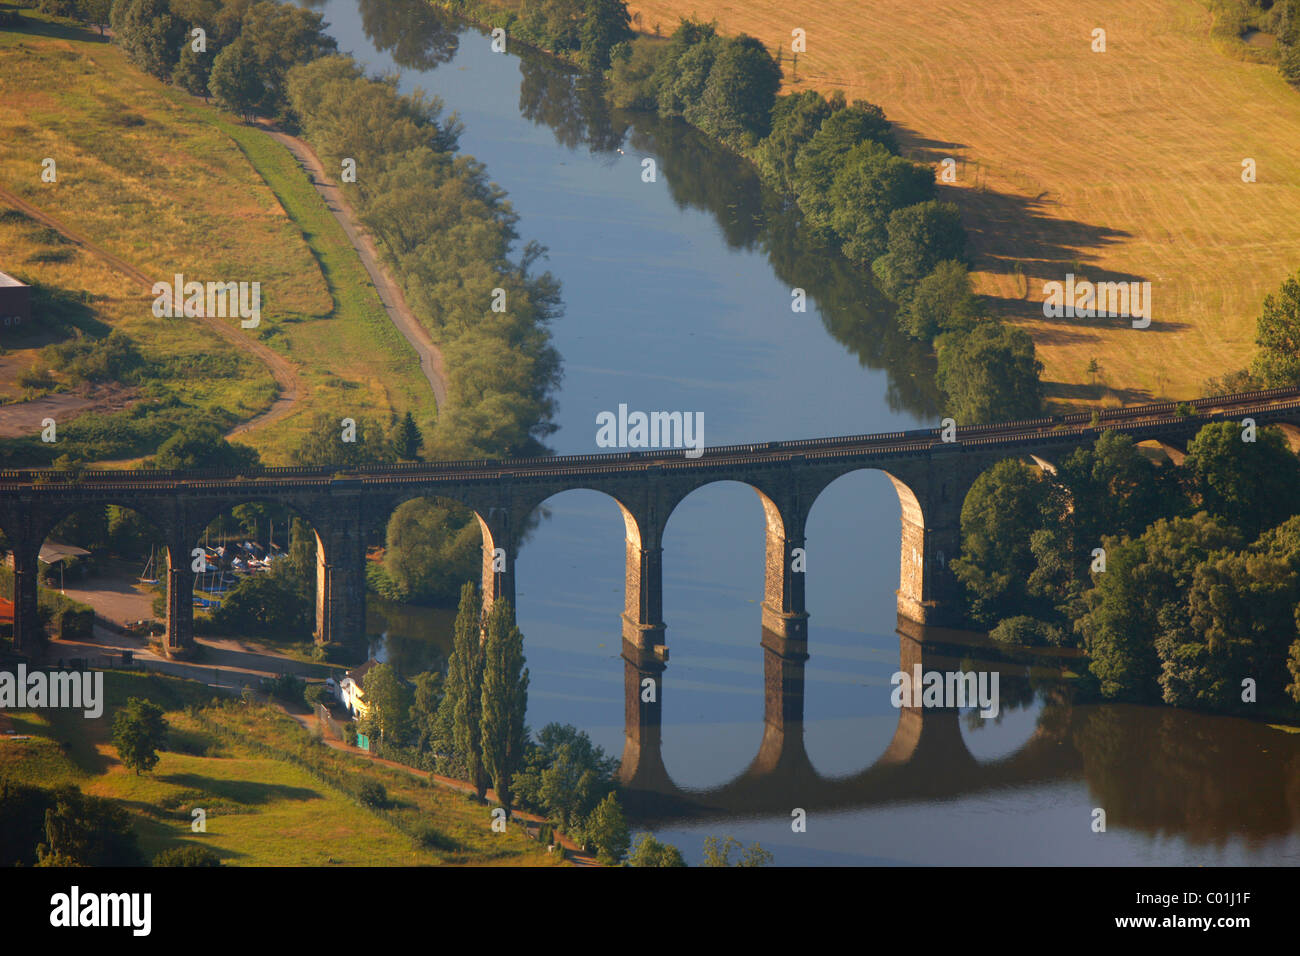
{"x": 1009, "y": 230}
{"x": 246, "y": 792}
{"x": 1017, "y": 237}
{"x": 1083, "y": 392}
{"x": 30, "y": 25}
{"x": 923, "y": 149}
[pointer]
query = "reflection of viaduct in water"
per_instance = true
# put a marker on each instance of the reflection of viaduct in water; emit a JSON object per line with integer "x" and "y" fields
{"x": 927, "y": 758}
{"x": 932, "y": 477}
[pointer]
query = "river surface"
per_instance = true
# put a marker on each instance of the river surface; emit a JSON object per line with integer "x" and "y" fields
{"x": 678, "y": 297}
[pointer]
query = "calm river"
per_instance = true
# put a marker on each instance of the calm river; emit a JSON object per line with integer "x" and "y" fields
{"x": 677, "y": 297}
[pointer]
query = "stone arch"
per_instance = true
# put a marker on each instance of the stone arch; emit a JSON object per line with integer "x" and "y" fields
{"x": 1289, "y": 432}
{"x": 924, "y": 551}
{"x": 783, "y": 532}
{"x": 187, "y": 540}
{"x": 1045, "y": 466}
{"x": 642, "y": 603}
{"x": 47, "y": 521}
{"x": 52, "y": 518}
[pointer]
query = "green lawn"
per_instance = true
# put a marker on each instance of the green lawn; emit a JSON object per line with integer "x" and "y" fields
{"x": 272, "y": 796}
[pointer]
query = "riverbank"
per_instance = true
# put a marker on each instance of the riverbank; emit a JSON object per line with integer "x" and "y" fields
{"x": 1155, "y": 194}
{"x": 1038, "y": 207}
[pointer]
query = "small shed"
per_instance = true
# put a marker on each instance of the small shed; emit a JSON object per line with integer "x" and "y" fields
{"x": 15, "y": 303}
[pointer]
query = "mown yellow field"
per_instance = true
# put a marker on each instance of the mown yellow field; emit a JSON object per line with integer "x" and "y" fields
{"x": 1116, "y": 165}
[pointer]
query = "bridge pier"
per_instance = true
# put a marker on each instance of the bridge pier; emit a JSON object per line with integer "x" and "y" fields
{"x": 928, "y": 591}
{"x": 341, "y": 576}
{"x": 499, "y": 551}
{"x": 180, "y": 596}
{"x": 784, "y": 613}
{"x": 27, "y": 624}
{"x": 643, "y": 586}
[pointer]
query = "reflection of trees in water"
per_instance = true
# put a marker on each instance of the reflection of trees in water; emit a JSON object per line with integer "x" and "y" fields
{"x": 1016, "y": 691}
{"x": 418, "y": 638}
{"x": 1207, "y": 779}
{"x": 572, "y": 104}
{"x": 701, "y": 175}
{"x": 416, "y": 35}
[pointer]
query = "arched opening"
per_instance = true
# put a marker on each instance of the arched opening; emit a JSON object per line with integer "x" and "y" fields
{"x": 855, "y": 564}
{"x": 1047, "y": 467}
{"x": 570, "y": 589}
{"x": 255, "y": 574}
{"x": 429, "y": 548}
{"x": 714, "y": 568}
{"x": 1162, "y": 452}
{"x": 98, "y": 578}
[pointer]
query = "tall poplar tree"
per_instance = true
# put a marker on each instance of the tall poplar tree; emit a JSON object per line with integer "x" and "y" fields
{"x": 505, "y": 700}
{"x": 464, "y": 693}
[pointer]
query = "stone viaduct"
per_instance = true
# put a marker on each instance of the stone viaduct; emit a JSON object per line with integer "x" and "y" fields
{"x": 931, "y": 470}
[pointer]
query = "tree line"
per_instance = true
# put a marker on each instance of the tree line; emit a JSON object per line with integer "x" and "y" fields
{"x": 585, "y": 31}
{"x": 839, "y": 164}
{"x": 469, "y": 724}
{"x": 1180, "y": 582}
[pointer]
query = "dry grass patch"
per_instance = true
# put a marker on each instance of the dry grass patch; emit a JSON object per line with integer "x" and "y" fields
{"x": 1127, "y": 162}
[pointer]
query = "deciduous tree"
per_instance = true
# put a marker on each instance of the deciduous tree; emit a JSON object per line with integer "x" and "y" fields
{"x": 139, "y": 730}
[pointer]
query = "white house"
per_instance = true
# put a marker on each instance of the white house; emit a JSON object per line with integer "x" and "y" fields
{"x": 351, "y": 690}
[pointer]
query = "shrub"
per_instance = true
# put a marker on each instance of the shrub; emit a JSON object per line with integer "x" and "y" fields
{"x": 187, "y": 856}
{"x": 289, "y": 689}
{"x": 1025, "y": 631}
{"x": 373, "y": 794}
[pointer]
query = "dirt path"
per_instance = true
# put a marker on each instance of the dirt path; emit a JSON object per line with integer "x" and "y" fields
{"x": 310, "y": 722}
{"x": 25, "y": 418}
{"x": 431, "y": 360}
{"x": 285, "y": 375}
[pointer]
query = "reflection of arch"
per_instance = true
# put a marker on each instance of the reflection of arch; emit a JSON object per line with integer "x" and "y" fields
{"x": 926, "y": 759}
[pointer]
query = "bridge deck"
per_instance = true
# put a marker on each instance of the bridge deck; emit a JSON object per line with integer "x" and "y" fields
{"x": 1046, "y": 430}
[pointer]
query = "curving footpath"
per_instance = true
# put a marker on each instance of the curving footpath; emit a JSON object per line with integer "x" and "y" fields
{"x": 431, "y": 360}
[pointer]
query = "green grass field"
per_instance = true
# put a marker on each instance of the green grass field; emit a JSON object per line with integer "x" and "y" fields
{"x": 272, "y": 796}
{"x": 171, "y": 185}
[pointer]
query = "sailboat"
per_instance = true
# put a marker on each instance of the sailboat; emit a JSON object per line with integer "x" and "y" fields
{"x": 144, "y": 575}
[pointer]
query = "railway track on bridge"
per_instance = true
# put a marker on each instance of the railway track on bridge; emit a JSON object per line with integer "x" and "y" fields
{"x": 1047, "y": 430}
